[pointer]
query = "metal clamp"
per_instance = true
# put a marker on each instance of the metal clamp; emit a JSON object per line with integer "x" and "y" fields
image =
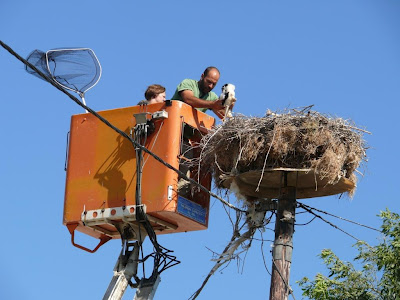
{"x": 277, "y": 252}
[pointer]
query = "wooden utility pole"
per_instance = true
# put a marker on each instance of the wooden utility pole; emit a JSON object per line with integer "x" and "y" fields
{"x": 283, "y": 244}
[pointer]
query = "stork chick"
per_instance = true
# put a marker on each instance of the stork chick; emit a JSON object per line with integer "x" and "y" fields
{"x": 228, "y": 97}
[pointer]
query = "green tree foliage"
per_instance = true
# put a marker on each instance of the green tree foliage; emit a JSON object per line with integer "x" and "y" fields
{"x": 380, "y": 274}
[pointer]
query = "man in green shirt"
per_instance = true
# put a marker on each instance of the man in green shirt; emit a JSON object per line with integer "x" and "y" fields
{"x": 199, "y": 94}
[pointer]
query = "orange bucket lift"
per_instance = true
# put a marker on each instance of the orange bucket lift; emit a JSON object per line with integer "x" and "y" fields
{"x": 102, "y": 175}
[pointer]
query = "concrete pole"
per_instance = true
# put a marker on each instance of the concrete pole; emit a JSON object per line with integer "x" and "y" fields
{"x": 283, "y": 244}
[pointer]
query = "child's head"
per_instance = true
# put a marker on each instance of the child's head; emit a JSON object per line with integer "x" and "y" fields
{"x": 155, "y": 93}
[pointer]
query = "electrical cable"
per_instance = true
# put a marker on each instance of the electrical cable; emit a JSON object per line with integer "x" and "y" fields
{"x": 344, "y": 219}
{"x": 162, "y": 259}
{"x": 262, "y": 254}
{"x": 119, "y": 131}
{"x": 296, "y": 224}
{"x": 326, "y": 221}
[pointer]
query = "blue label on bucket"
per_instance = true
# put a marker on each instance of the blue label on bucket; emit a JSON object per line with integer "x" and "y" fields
{"x": 192, "y": 210}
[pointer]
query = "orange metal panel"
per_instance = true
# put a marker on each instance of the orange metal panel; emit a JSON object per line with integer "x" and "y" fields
{"x": 101, "y": 169}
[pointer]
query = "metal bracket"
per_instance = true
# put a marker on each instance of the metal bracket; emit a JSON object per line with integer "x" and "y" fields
{"x": 162, "y": 114}
{"x": 277, "y": 252}
{"x": 169, "y": 192}
{"x": 141, "y": 118}
{"x": 103, "y": 239}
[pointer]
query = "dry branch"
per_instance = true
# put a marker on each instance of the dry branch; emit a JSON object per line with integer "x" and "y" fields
{"x": 237, "y": 244}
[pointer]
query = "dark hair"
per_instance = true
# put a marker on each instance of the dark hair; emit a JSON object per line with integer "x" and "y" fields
{"x": 153, "y": 90}
{"x": 205, "y": 73}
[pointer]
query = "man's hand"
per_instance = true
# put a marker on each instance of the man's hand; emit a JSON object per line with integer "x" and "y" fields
{"x": 218, "y": 108}
{"x": 217, "y": 105}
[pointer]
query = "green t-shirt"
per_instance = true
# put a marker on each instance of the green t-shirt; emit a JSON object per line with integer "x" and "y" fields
{"x": 193, "y": 85}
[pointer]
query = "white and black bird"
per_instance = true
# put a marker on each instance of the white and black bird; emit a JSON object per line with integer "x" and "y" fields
{"x": 228, "y": 97}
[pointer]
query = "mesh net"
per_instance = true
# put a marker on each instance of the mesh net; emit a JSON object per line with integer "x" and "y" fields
{"x": 38, "y": 59}
{"x": 75, "y": 69}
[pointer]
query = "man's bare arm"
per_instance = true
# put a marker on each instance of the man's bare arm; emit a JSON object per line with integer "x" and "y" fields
{"x": 215, "y": 106}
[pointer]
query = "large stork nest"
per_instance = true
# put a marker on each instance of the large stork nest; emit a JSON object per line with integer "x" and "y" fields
{"x": 332, "y": 148}
{"x": 248, "y": 154}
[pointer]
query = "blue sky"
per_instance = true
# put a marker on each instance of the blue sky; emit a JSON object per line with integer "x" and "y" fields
{"x": 342, "y": 56}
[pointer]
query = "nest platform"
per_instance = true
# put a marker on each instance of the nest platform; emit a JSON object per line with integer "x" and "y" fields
{"x": 307, "y": 183}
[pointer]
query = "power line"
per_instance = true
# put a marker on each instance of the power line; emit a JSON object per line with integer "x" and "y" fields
{"x": 341, "y": 218}
{"x": 119, "y": 131}
{"x": 306, "y": 223}
{"x": 326, "y": 221}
